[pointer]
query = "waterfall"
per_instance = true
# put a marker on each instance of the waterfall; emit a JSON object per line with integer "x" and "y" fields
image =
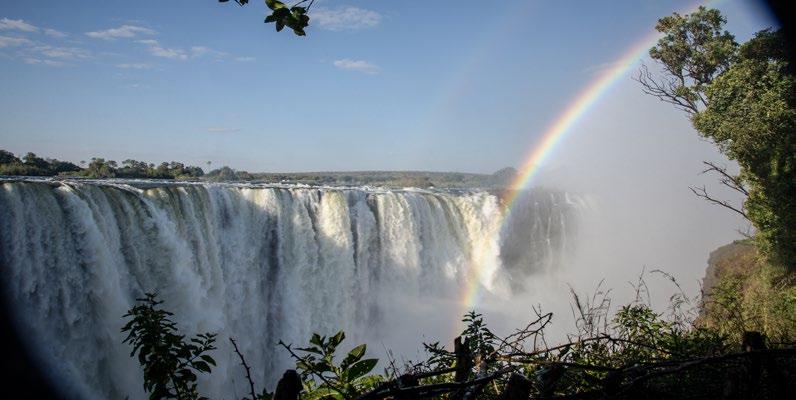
{"x": 255, "y": 262}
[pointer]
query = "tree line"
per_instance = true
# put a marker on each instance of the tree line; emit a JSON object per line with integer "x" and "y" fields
{"x": 98, "y": 168}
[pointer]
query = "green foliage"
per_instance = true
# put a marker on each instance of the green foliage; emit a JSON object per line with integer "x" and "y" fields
{"x": 741, "y": 98}
{"x": 170, "y": 363}
{"x": 226, "y": 174}
{"x": 282, "y": 16}
{"x": 325, "y": 379}
{"x": 98, "y": 168}
{"x": 637, "y": 353}
{"x": 693, "y": 50}
{"x": 295, "y": 17}
{"x": 477, "y": 334}
{"x": 33, "y": 165}
{"x": 759, "y": 297}
{"x": 7, "y": 157}
{"x": 438, "y": 358}
{"x": 751, "y": 117}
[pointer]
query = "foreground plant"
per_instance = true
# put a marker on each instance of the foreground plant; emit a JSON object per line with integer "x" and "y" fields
{"x": 635, "y": 352}
{"x": 323, "y": 378}
{"x": 170, "y": 363}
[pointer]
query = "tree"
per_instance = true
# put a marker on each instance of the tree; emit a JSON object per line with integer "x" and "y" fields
{"x": 751, "y": 117}
{"x": 742, "y": 99}
{"x": 7, "y": 157}
{"x": 693, "y": 51}
{"x": 33, "y": 160}
{"x": 57, "y": 167}
{"x": 99, "y": 168}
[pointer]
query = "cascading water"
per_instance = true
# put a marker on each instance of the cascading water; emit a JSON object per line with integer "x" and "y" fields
{"x": 258, "y": 263}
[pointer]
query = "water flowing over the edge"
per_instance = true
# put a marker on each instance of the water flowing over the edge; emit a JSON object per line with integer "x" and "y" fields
{"x": 259, "y": 263}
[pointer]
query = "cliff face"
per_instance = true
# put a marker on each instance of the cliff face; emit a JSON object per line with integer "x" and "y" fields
{"x": 738, "y": 258}
{"x": 743, "y": 292}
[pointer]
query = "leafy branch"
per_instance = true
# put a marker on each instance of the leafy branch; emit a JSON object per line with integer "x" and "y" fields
{"x": 294, "y": 17}
{"x": 170, "y": 362}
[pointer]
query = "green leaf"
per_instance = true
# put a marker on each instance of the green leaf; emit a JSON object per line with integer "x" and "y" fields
{"x": 316, "y": 340}
{"x": 201, "y": 366}
{"x": 354, "y": 355}
{"x": 208, "y": 359}
{"x": 274, "y": 4}
{"x": 310, "y": 350}
{"x": 337, "y": 339}
{"x": 361, "y": 368}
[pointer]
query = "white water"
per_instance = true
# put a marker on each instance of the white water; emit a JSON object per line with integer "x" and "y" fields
{"x": 258, "y": 263}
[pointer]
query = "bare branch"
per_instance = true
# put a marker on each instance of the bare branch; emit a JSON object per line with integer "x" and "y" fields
{"x": 245, "y": 366}
{"x": 665, "y": 91}
{"x": 732, "y": 182}
{"x": 702, "y": 192}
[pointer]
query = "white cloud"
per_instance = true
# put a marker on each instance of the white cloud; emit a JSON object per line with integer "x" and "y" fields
{"x": 223, "y": 130}
{"x": 200, "y": 51}
{"x": 357, "y": 65}
{"x": 66, "y": 53}
{"x": 38, "y": 61}
{"x": 17, "y": 24}
{"x": 9, "y": 41}
{"x": 54, "y": 33}
{"x": 124, "y": 31}
{"x": 344, "y": 18}
{"x": 175, "y": 53}
{"x": 159, "y": 51}
{"x": 134, "y": 66}
{"x": 244, "y": 59}
{"x": 598, "y": 69}
{"x": 38, "y": 53}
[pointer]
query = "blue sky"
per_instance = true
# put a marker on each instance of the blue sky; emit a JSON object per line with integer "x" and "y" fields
{"x": 376, "y": 85}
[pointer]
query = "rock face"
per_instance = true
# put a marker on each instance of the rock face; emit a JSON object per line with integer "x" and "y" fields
{"x": 738, "y": 257}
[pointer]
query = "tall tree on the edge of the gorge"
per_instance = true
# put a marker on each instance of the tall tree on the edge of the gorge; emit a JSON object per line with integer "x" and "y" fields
{"x": 741, "y": 98}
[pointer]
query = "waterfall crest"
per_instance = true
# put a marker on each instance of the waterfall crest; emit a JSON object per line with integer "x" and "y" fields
{"x": 258, "y": 263}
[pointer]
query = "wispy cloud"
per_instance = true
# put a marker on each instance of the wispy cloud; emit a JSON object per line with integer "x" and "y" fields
{"x": 159, "y": 51}
{"x": 176, "y": 53}
{"x": 54, "y": 33}
{"x": 244, "y": 59}
{"x": 201, "y": 51}
{"x": 133, "y": 66}
{"x": 65, "y": 53}
{"x": 10, "y": 41}
{"x": 39, "y": 61}
{"x": 599, "y": 69}
{"x": 7, "y": 24}
{"x": 35, "y": 52}
{"x": 357, "y": 65}
{"x": 17, "y": 25}
{"x": 223, "y": 130}
{"x": 344, "y": 18}
{"x": 124, "y": 31}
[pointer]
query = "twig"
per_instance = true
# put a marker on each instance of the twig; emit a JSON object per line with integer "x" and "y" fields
{"x": 434, "y": 389}
{"x": 245, "y": 366}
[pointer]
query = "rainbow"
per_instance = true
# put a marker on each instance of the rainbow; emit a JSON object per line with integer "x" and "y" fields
{"x": 574, "y": 112}
{"x": 554, "y": 135}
